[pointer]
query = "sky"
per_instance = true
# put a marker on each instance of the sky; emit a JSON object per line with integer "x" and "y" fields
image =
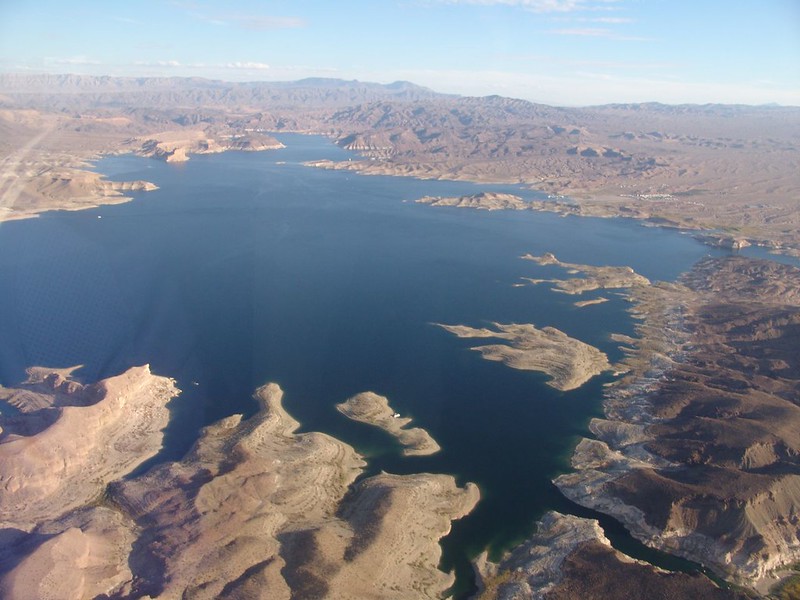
{"x": 560, "y": 52}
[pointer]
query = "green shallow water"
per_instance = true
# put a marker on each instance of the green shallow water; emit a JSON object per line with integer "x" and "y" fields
{"x": 247, "y": 268}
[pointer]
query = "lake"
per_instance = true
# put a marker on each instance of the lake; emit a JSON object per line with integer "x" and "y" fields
{"x": 245, "y": 268}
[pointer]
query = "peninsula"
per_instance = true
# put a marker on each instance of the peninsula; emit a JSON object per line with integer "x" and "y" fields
{"x": 253, "y": 510}
{"x": 481, "y": 201}
{"x": 70, "y": 441}
{"x": 591, "y": 277}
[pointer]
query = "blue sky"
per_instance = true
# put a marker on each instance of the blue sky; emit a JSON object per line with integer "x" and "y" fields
{"x": 563, "y": 52}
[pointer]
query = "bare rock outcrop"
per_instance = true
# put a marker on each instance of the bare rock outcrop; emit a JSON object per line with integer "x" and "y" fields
{"x": 569, "y": 362}
{"x": 570, "y": 557}
{"x": 116, "y": 425}
{"x": 701, "y": 444}
{"x": 254, "y": 510}
{"x": 176, "y": 146}
{"x": 84, "y": 555}
{"x": 258, "y": 510}
{"x": 370, "y": 408}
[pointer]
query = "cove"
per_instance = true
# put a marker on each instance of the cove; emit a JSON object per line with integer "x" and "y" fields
{"x": 245, "y": 268}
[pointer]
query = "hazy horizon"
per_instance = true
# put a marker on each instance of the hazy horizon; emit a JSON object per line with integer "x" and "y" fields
{"x": 558, "y": 52}
{"x": 388, "y": 84}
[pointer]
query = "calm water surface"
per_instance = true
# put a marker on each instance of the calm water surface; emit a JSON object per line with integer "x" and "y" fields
{"x": 245, "y": 268}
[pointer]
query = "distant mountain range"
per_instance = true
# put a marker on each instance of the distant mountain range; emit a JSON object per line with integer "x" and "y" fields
{"x": 709, "y": 165}
{"x": 48, "y": 91}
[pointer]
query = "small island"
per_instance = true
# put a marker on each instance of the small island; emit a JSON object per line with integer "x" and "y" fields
{"x": 373, "y": 409}
{"x": 569, "y": 362}
{"x": 592, "y": 278}
{"x": 593, "y": 301}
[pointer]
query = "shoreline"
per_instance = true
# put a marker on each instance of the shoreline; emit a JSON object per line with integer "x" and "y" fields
{"x": 252, "y": 497}
{"x": 586, "y": 203}
{"x": 596, "y": 203}
{"x": 631, "y": 437}
{"x": 616, "y": 472}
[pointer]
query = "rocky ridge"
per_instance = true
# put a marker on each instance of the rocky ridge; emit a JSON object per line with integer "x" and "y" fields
{"x": 73, "y": 440}
{"x": 254, "y": 510}
{"x": 698, "y": 454}
{"x": 570, "y": 557}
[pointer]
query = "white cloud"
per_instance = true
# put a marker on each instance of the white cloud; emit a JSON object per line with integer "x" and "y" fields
{"x": 600, "y": 32}
{"x": 264, "y": 23}
{"x": 550, "y": 59}
{"x": 254, "y": 22}
{"x": 256, "y": 66}
{"x": 582, "y": 31}
{"x": 71, "y": 60}
{"x": 176, "y": 64}
{"x": 544, "y": 6}
{"x": 606, "y": 20}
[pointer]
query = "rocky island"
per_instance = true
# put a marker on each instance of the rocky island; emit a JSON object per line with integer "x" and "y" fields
{"x": 370, "y": 408}
{"x": 569, "y": 362}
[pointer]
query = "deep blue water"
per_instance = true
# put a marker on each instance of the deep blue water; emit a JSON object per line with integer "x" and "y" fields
{"x": 245, "y": 268}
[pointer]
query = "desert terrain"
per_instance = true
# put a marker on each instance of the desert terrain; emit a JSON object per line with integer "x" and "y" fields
{"x": 697, "y": 452}
{"x": 730, "y": 170}
{"x": 254, "y": 510}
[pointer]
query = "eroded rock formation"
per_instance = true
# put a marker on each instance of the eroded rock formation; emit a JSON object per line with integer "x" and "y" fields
{"x": 82, "y": 439}
{"x": 254, "y": 510}
{"x": 569, "y": 362}
{"x": 570, "y": 557}
{"x": 700, "y": 452}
